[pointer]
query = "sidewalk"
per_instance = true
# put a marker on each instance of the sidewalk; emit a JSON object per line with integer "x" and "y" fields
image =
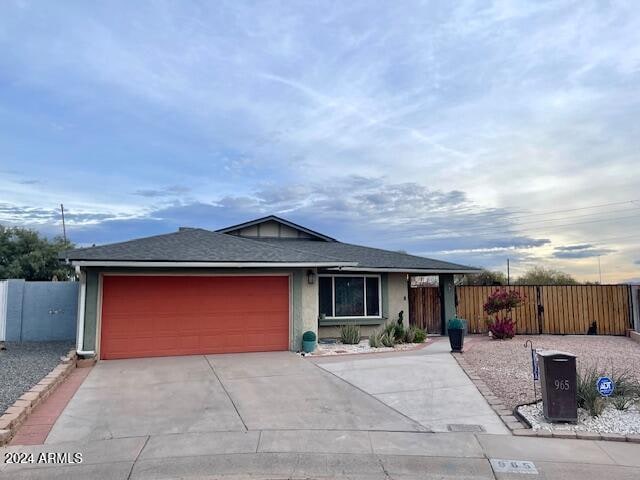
{"x": 331, "y": 454}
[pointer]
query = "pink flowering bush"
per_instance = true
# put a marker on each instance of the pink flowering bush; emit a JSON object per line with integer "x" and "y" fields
{"x": 501, "y": 328}
{"x": 499, "y": 305}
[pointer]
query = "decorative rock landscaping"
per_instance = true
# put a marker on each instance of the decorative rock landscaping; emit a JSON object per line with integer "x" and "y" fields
{"x": 16, "y": 414}
{"x": 611, "y": 420}
{"x": 338, "y": 348}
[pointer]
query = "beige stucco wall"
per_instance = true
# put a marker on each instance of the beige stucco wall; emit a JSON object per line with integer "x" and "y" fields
{"x": 307, "y": 316}
{"x": 398, "y": 296}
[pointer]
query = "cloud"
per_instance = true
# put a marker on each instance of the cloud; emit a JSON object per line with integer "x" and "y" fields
{"x": 429, "y": 136}
{"x": 163, "y": 192}
{"x": 585, "y": 250}
{"x": 637, "y": 262}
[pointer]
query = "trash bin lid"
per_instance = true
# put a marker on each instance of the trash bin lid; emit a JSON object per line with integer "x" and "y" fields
{"x": 555, "y": 353}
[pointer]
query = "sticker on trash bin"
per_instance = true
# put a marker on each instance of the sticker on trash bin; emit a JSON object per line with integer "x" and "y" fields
{"x": 605, "y": 386}
{"x": 513, "y": 466}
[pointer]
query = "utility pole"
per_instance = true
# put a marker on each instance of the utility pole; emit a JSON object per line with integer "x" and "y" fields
{"x": 508, "y": 273}
{"x": 599, "y": 270}
{"x": 64, "y": 228}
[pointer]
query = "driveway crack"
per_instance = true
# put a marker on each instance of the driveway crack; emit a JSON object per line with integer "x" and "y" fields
{"x": 137, "y": 457}
{"x": 227, "y": 393}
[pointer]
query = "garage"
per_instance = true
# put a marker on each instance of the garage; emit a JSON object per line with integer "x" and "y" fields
{"x": 153, "y": 315}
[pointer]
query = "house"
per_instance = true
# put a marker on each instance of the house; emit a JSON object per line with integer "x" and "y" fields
{"x": 256, "y": 286}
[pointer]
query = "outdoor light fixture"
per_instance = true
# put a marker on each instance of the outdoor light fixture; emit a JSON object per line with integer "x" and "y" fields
{"x": 311, "y": 277}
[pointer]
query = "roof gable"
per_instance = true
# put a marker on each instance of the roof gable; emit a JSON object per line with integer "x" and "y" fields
{"x": 274, "y": 227}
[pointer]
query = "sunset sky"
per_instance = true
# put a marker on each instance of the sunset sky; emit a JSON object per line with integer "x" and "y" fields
{"x": 467, "y": 131}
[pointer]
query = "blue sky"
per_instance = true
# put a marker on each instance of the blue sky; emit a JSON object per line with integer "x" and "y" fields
{"x": 468, "y": 131}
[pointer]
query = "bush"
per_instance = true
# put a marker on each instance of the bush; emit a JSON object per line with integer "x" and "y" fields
{"x": 455, "y": 324}
{"x": 350, "y": 334}
{"x": 587, "y": 394}
{"x": 388, "y": 339}
{"x": 420, "y": 335}
{"x": 398, "y": 333}
{"x": 309, "y": 336}
{"x": 502, "y": 299}
{"x": 375, "y": 339}
{"x": 502, "y": 328}
{"x": 410, "y": 334}
{"x": 622, "y": 402}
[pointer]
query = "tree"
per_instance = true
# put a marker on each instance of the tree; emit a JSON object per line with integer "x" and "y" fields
{"x": 25, "y": 254}
{"x": 545, "y": 276}
{"x": 485, "y": 277}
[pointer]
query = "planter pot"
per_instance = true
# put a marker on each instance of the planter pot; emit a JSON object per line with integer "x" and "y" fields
{"x": 308, "y": 346}
{"x": 456, "y": 339}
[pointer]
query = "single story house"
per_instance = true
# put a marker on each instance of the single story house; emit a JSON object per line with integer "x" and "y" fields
{"x": 256, "y": 286}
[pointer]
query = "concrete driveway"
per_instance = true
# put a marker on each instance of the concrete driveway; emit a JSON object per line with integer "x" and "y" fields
{"x": 426, "y": 385}
{"x": 218, "y": 393}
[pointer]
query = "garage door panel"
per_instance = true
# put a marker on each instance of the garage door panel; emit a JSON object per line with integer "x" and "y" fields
{"x": 174, "y": 315}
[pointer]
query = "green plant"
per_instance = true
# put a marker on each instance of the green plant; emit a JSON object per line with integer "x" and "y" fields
{"x": 586, "y": 393}
{"x": 455, "y": 324}
{"x": 390, "y": 329}
{"x": 375, "y": 339}
{"x": 309, "y": 336}
{"x": 420, "y": 335}
{"x": 388, "y": 339}
{"x": 350, "y": 334}
{"x": 410, "y": 334}
{"x": 398, "y": 333}
{"x": 622, "y": 402}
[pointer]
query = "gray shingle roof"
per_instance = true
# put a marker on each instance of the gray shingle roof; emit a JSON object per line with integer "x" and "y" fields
{"x": 198, "y": 245}
{"x": 195, "y": 245}
{"x": 365, "y": 256}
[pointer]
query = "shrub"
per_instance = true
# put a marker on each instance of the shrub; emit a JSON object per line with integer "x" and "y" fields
{"x": 587, "y": 394}
{"x": 455, "y": 324}
{"x": 621, "y": 402}
{"x": 350, "y": 334}
{"x": 502, "y": 328}
{"x": 398, "y": 333}
{"x": 390, "y": 329}
{"x": 410, "y": 334}
{"x": 388, "y": 339}
{"x": 420, "y": 335}
{"x": 502, "y": 299}
{"x": 375, "y": 339}
{"x": 309, "y": 336}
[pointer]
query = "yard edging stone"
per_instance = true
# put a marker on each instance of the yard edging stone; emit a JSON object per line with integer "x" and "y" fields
{"x": 518, "y": 425}
{"x": 18, "y": 413}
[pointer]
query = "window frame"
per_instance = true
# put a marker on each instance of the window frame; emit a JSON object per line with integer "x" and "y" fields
{"x": 364, "y": 277}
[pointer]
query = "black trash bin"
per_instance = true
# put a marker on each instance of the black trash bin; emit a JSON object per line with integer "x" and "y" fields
{"x": 558, "y": 382}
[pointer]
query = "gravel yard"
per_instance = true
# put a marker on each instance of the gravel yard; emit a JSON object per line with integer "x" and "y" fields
{"x": 22, "y": 365}
{"x": 505, "y": 365}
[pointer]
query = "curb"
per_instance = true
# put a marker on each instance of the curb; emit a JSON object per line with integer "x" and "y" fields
{"x": 518, "y": 424}
{"x": 18, "y": 413}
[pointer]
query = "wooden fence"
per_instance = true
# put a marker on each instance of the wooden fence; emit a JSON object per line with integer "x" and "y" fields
{"x": 551, "y": 309}
{"x": 424, "y": 309}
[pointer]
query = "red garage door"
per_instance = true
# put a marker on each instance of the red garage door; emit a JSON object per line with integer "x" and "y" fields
{"x": 152, "y": 316}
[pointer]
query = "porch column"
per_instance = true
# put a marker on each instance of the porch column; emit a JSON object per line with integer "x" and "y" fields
{"x": 447, "y": 298}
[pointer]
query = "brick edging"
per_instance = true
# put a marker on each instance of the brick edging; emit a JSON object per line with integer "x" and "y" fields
{"x": 518, "y": 425}
{"x": 18, "y": 413}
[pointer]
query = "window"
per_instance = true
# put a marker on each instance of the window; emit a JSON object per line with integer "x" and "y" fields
{"x": 349, "y": 296}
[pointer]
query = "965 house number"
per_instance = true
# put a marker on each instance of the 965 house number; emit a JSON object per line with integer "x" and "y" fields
{"x": 561, "y": 384}
{"x": 43, "y": 457}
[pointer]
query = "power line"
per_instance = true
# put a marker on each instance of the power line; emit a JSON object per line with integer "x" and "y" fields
{"x": 551, "y": 227}
{"x": 513, "y": 225}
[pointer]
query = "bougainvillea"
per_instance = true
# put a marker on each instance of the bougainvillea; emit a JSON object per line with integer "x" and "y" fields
{"x": 499, "y": 305}
{"x": 502, "y": 299}
{"x": 502, "y": 328}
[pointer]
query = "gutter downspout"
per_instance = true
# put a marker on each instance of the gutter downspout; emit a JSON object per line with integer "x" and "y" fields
{"x": 81, "y": 306}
